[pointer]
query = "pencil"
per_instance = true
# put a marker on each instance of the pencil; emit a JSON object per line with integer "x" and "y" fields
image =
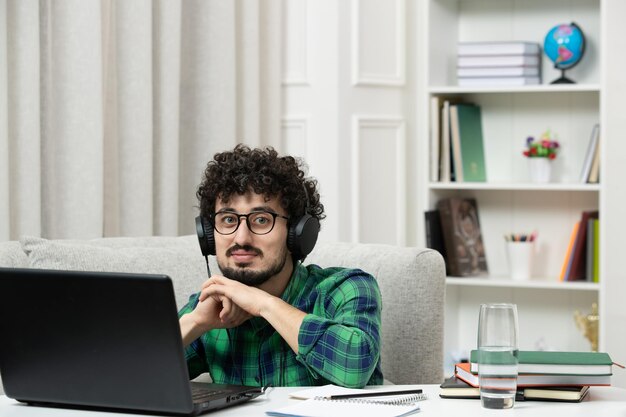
{"x": 374, "y": 394}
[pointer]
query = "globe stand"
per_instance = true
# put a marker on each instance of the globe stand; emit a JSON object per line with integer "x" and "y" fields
{"x": 563, "y": 79}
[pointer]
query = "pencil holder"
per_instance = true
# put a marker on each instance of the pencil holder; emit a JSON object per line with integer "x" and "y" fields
{"x": 520, "y": 256}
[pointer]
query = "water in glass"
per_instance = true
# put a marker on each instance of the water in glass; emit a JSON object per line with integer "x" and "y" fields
{"x": 497, "y": 355}
{"x": 497, "y": 370}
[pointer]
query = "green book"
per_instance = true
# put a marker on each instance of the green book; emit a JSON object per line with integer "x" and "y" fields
{"x": 589, "y": 251}
{"x": 471, "y": 140}
{"x": 557, "y": 363}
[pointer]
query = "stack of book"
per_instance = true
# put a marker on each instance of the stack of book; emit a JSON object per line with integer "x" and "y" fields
{"x": 454, "y": 387}
{"x": 457, "y": 149}
{"x": 499, "y": 63}
{"x": 542, "y": 376}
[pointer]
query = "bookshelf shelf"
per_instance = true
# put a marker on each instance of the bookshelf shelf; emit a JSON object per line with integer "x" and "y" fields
{"x": 513, "y": 186}
{"x": 545, "y": 88}
{"x": 505, "y": 282}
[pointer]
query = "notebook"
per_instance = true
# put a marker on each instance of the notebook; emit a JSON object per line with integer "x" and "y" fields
{"x": 334, "y": 408}
{"x": 316, "y": 402}
{"x": 99, "y": 340}
{"x": 454, "y": 387}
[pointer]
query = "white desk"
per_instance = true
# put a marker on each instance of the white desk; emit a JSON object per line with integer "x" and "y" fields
{"x": 601, "y": 401}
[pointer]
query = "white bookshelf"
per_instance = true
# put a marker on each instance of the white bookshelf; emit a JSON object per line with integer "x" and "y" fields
{"x": 508, "y": 202}
{"x": 556, "y": 88}
{"x": 504, "y": 186}
{"x": 540, "y": 283}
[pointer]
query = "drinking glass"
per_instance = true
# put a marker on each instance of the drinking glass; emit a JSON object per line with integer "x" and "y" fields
{"x": 497, "y": 355}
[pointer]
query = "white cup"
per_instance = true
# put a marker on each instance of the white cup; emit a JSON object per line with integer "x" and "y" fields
{"x": 520, "y": 256}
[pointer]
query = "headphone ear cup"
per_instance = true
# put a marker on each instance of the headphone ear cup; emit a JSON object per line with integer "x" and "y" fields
{"x": 206, "y": 238}
{"x": 302, "y": 236}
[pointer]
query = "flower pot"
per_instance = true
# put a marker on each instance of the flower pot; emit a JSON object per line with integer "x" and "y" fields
{"x": 539, "y": 169}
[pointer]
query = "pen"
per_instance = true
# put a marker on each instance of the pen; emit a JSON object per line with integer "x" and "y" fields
{"x": 374, "y": 394}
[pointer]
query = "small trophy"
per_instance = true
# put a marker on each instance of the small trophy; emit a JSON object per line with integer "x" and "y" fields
{"x": 589, "y": 325}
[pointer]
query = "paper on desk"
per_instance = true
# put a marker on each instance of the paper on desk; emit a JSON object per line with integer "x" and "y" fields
{"x": 328, "y": 408}
{"x": 323, "y": 391}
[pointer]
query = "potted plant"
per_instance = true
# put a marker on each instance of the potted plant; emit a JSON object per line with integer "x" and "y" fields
{"x": 540, "y": 152}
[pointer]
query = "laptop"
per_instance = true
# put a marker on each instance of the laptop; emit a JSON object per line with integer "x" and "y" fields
{"x": 99, "y": 340}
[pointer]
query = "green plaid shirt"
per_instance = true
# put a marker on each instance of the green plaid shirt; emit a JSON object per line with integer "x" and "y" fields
{"x": 339, "y": 339}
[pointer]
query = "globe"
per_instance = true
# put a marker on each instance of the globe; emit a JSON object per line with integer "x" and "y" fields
{"x": 564, "y": 45}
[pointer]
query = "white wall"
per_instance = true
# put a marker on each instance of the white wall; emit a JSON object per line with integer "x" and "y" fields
{"x": 613, "y": 199}
{"x": 346, "y": 110}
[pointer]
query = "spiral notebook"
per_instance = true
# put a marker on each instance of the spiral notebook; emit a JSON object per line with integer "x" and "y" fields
{"x": 317, "y": 404}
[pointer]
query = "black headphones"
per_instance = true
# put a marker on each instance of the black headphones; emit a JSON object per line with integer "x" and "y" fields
{"x": 301, "y": 236}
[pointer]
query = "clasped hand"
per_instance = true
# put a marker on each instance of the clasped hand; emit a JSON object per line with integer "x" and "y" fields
{"x": 225, "y": 303}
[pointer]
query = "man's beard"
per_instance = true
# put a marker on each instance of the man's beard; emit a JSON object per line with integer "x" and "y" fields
{"x": 249, "y": 277}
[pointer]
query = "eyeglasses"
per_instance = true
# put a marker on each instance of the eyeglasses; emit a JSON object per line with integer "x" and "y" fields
{"x": 258, "y": 222}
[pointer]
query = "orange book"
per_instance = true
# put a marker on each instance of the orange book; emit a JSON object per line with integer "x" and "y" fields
{"x": 463, "y": 372}
{"x": 568, "y": 254}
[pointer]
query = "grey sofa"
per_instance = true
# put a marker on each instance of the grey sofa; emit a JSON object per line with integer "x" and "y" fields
{"x": 411, "y": 282}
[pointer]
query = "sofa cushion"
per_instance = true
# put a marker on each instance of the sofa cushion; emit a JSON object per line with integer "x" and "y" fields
{"x": 177, "y": 257}
{"x": 12, "y": 255}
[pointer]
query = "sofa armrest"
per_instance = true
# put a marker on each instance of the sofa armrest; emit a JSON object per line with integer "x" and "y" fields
{"x": 412, "y": 284}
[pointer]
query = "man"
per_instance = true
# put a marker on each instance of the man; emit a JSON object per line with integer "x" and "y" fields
{"x": 269, "y": 320}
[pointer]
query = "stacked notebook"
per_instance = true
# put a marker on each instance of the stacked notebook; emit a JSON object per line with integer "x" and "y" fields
{"x": 542, "y": 376}
{"x": 454, "y": 387}
{"x": 499, "y": 63}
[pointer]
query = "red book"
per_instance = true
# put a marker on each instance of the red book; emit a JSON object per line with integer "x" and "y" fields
{"x": 578, "y": 268}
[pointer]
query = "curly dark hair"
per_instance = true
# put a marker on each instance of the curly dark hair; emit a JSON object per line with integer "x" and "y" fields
{"x": 264, "y": 172}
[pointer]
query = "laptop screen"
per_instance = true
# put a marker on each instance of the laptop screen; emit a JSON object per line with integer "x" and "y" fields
{"x": 92, "y": 339}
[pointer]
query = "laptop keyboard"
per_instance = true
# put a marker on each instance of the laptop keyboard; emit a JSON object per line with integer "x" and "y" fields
{"x": 200, "y": 394}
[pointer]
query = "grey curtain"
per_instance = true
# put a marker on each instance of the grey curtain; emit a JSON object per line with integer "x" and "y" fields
{"x": 110, "y": 109}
